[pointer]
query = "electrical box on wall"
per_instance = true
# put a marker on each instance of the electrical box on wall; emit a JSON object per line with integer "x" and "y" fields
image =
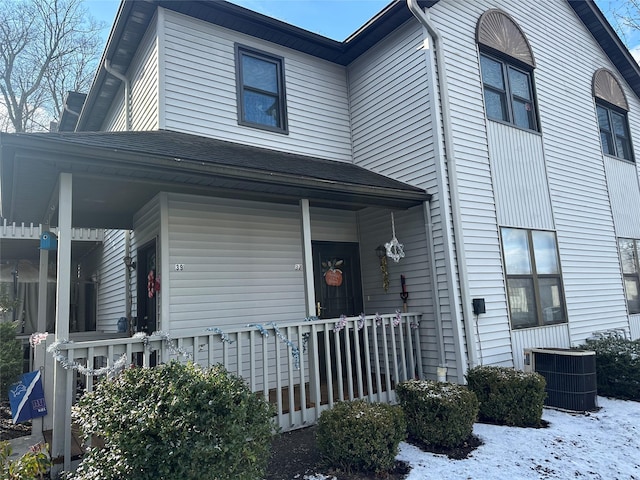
{"x": 478, "y": 306}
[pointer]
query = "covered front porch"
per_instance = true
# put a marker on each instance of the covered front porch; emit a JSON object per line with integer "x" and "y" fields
{"x": 232, "y": 254}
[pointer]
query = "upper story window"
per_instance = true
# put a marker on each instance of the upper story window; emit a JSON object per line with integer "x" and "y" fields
{"x": 506, "y": 63}
{"x": 612, "y": 108}
{"x": 260, "y": 90}
{"x": 534, "y": 281}
{"x": 629, "y": 253}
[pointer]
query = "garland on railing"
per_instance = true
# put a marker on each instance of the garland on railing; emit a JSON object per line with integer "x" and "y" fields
{"x": 223, "y": 336}
{"x": 397, "y": 319}
{"x": 340, "y": 324}
{"x": 173, "y": 350}
{"x": 305, "y": 336}
{"x": 67, "y": 364}
{"x": 295, "y": 351}
{"x": 54, "y": 348}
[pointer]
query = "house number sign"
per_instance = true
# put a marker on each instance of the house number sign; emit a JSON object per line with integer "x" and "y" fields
{"x": 179, "y": 267}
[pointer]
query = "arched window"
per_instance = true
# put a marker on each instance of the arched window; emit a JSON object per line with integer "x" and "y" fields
{"x": 612, "y": 108}
{"x": 507, "y": 64}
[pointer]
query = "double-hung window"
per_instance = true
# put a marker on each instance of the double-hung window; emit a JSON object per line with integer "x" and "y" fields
{"x": 508, "y": 93}
{"x": 506, "y": 65}
{"x": 611, "y": 109}
{"x": 260, "y": 90}
{"x": 629, "y": 254}
{"x": 614, "y": 131}
{"x": 534, "y": 281}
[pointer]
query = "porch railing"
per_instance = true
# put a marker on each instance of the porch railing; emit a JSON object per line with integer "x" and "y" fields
{"x": 302, "y": 367}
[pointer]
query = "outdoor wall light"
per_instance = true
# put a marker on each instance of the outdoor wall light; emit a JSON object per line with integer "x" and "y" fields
{"x": 129, "y": 263}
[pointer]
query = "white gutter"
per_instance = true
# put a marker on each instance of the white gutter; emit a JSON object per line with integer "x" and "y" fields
{"x": 444, "y": 155}
{"x": 127, "y": 92}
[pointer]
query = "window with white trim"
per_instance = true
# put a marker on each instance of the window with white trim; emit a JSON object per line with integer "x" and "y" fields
{"x": 534, "y": 280}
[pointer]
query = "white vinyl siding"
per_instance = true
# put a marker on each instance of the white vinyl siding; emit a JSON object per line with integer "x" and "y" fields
{"x": 522, "y": 192}
{"x": 624, "y": 193}
{"x": 475, "y": 186}
{"x": 143, "y": 75}
{"x": 566, "y": 57}
{"x": 200, "y": 91}
{"x": 116, "y": 120}
{"x": 551, "y": 336}
{"x": 333, "y": 225}
{"x": 238, "y": 259}
{"x": 634, "y": 323}
{"x": 144, "y": 83}
{"x": 111, "y": 282}
{"x": 375, "y": 228}
{"x": 392, "y": 135}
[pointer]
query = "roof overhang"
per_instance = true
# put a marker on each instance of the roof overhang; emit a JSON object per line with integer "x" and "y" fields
{"x": 116, "y": 173}
{"x": 608, "y": 39}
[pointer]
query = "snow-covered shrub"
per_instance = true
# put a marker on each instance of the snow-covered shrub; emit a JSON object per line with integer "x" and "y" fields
{"x": 508, "y": 396}
{"x": 438, "y": 414}
{"x": 617, "y": 367}
{"x": 361, "y": 436}
{"x": 173, "y": 422}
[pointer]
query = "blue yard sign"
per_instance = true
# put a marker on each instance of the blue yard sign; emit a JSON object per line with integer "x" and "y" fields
{"x": 27, "y": 398}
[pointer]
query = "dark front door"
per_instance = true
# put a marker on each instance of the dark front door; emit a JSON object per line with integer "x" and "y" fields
{"x": 338, "y": 288}
{"x": 147, "y": 288}
{"x": 338, "y": 285}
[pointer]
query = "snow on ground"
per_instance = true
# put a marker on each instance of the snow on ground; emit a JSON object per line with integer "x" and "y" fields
{"x": 598, "y": 445}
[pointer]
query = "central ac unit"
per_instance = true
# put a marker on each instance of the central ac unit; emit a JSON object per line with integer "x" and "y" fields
{"x": 570, "y": 375}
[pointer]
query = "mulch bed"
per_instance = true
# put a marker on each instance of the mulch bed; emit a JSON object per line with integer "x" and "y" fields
{"x": 7, "y": 429}
{"x": 294, "y": 455}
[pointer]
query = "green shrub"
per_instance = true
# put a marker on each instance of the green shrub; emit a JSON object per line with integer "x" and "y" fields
{"x": 508, "y": 396}
{"x": 10, "y": 357}
{"x": 617, "y": 367}
{"x": 361, "y": 436}
{"x": 438, "y": 414}
{"x": 172, "y": 422}
{"x": 30, "y": 466}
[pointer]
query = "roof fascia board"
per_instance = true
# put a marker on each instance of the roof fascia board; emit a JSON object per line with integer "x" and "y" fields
{"x": 588, "y": 12}
{"x": 140, "y": 162}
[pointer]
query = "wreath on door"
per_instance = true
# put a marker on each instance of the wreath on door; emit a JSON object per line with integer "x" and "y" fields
{"x": 153, "y": 284}
{"x": 332, "y": 272}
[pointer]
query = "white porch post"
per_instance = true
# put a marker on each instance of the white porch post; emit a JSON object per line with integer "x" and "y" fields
{"x": 309, "y": 286}
{"x": 61, "y": 441}
{"x": 38, "y": 360}
{"x": 310, "y": 293}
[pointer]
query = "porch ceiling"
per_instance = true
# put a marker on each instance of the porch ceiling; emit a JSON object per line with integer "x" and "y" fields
{"x": 116, "y": 173}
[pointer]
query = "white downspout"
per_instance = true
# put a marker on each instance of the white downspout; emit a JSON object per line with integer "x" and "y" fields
{"x": 441, "y": 372}
{"x": 448, "y": 164}
{"x": 127, "y": 92}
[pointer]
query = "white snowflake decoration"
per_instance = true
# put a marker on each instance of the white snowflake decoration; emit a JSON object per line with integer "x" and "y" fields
{"x": 395, "y": 250}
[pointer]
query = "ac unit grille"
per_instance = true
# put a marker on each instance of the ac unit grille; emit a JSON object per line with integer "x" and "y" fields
{"x": 570, "y": 376}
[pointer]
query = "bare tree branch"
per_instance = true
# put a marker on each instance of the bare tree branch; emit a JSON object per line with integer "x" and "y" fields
{"x": 47, "y": 48}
